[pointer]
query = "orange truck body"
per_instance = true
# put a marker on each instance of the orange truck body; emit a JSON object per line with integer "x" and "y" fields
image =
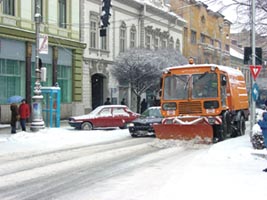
{"x": 206, "y": 101}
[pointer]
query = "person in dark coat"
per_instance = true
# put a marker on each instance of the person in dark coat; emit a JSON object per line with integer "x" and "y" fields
{"x": 14, "y": 117}
{"x": 263, "y": 124}
{"x": 24, "y": 112}
{"x": 143, "y": 105}
{"x": 123, "y": 101}
{"x": 107, "y": 102}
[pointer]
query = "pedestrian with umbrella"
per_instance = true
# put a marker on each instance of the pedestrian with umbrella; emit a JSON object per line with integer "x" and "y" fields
{"x": 14, "y": 117}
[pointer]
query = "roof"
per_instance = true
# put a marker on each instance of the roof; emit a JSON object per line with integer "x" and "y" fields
{"x": 226, "y": 69}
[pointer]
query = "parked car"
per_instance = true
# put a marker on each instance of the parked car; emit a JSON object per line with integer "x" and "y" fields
{"x": 103, "y": 117}
{"x": 143, "y": 126}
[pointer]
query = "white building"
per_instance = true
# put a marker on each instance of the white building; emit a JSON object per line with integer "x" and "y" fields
{"x": 133, "y": 23}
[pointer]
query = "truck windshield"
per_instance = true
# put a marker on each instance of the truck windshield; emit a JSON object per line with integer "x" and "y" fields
{"x": 176, "y": 87}
{"x": 203, "y": 86}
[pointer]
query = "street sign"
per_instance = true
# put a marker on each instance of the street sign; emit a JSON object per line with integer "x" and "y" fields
{"x": 255, "y": 70}
{"x": 255, "y": 92}
{"x": 43, "y": 44}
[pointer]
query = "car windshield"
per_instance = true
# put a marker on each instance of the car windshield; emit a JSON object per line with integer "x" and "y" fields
{"x": 152, "y": 112}
{"x": 95, "y": 111}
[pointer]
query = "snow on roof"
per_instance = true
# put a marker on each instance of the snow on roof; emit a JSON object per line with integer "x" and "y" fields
{"x": 236, "y": 54}
{"x": 161, "y": 6}
{"x": 229, "y": 70}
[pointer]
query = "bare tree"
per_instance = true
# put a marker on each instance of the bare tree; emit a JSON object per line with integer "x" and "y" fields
{"x": 243, "y": 12}
{"x": 141, "y": 68}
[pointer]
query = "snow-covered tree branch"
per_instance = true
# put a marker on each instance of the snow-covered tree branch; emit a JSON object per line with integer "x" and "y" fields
{"x": 142, "y": 68}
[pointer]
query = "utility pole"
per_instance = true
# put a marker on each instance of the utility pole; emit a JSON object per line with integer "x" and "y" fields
{"x": 37, "y": 116}
{"x": 252, "y": 103}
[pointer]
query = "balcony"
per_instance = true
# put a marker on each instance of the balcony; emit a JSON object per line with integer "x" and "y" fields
{"x": 207, "y": 49}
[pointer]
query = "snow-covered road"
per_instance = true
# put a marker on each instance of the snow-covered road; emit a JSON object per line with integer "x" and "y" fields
{"x": 70, "y": 171}
{"x": 62, "y": 163}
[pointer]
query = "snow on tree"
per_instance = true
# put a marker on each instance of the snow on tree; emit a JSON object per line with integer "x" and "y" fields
{"x": 141, "y": 69}
{"x": 243, "y": 12}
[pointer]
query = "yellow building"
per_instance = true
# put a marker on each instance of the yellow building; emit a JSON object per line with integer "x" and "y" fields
{"x": 206, "y": 35}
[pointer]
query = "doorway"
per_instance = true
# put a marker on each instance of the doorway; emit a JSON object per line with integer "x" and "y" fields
{"x": 97, "y": 90}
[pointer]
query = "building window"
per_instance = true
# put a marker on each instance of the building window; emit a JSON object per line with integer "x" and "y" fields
{"x": 202, "y": 38}
{"x": 104, "y": 43}
{"x": 64, "y": 78}
{"x": 9, "y": 7}
{"x": 156, "y": 43}
{"x": 164, "y": 43}
{"x": 133, "y": 37}
{"x": 148, "y": 41}
{"x": 178, "y": 45}
{"x": 227, "y": 48}
{"x": 219, "y": 44}
{"x": 203, "y": 19}
{"x": 193, "y": 37}
{"x": 123, "y": 37}
{"x": 171, "y": 43}
{"x": 212, "y": 42}
{"x": 93, "y": 29}
{"x": 12, "y": 77}
{"x": 62, "y": 14}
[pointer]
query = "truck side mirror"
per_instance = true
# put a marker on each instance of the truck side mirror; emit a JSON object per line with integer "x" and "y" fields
{"x": 223, "y": 80}
{"x": 160, "y": 93}
{"x": 160, "y": 86}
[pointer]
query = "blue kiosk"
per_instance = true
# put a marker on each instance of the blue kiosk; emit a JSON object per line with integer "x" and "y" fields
{"x": 51, "y": 107}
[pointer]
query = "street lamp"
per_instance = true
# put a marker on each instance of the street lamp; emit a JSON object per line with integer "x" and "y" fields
{"x": 37, "y": 117}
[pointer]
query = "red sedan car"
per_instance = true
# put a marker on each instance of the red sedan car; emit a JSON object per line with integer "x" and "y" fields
{"x": 104, "y": 116}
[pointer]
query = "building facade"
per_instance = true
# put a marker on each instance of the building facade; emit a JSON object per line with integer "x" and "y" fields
{"x": 60, "y": 22}
{"x": 206, "y": 35}
{"x": 133, "y": 23}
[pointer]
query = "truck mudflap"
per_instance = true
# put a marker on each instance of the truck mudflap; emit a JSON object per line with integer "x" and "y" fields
{"x": 186, "y": 128}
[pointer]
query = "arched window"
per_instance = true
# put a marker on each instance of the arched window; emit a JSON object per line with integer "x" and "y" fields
{"x": 171, "y": 42}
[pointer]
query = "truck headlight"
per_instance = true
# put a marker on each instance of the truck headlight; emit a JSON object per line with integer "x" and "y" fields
{"x": 169, "y": 106}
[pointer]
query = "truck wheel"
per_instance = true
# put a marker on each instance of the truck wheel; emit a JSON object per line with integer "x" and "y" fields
{"x": 241, "y": 126}
{"x": 223, "y": 132}
{"x": 87, "y": 126}
{"x": 226, "y": 127}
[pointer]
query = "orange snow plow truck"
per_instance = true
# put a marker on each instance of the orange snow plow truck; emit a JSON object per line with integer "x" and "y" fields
{"x": 208, "y": 101}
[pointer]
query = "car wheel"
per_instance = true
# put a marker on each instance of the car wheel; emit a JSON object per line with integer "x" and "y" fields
{"x": 87, "y": 126}
{"x": 133, "y": 135}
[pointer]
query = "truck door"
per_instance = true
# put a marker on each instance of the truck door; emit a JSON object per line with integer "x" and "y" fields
{"x": 223, "y": 88}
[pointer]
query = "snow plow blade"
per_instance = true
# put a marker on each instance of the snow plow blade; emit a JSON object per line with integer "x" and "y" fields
{"x": 195, "y": 129}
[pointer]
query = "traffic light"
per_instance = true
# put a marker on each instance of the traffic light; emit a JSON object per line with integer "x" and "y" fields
{"x": 106, "y": 5}
{"x": 248, "y": 55}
